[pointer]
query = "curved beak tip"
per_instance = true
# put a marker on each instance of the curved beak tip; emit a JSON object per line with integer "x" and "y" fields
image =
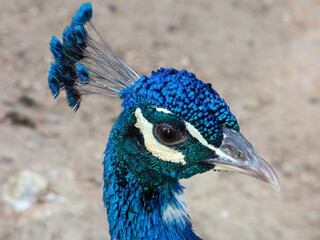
{"x": 276, "y": 186}
{"x": 274, "y": 182}
{"x": 264, "y": 172}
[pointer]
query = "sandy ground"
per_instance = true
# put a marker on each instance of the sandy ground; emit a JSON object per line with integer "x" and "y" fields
{"x": 263, "y": 57}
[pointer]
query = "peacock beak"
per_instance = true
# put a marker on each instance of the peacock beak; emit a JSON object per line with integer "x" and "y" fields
{"x": 236, "y": 154}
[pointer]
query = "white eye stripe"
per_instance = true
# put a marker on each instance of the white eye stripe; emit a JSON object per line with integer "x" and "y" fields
{"x": 157, "y": 149}
{"x": 197, "y": 135}
{"x": 163, "y": 110}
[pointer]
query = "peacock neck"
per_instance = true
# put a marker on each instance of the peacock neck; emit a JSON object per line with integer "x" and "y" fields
{"x": 136, "y": 211}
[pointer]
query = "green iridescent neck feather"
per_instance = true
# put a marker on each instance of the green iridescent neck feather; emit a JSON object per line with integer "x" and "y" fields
{"x": 142, "y": 194}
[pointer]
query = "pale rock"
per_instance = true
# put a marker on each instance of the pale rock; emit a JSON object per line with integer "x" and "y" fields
{"x": 22, "y": 190}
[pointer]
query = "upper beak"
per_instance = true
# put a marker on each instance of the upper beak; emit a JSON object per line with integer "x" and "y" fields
{"x": 236, "y": 154}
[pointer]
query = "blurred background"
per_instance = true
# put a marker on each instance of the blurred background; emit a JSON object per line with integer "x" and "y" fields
{"x": 263, "y": 57}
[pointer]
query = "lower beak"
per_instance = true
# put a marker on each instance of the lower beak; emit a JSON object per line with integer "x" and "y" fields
{"x": 261, "y": 171}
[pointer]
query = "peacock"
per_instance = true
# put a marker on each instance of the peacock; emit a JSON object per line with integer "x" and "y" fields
{"x": 173, "y": 126}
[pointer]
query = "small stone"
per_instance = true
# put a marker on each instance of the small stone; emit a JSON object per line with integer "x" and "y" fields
{"x": 6, "y": 160}
{"x": 112, "y": 8}
{"x": 23, "y": 190}
{"x": 53, "y": 118}
{"x": 305, "y": 178}
{"x": 17, "y": 118}
{"x": 314, "y": 100}
{"x": 288, "y": 169}
{"x": 27, "y": 101}
{"x": 314, "y": 216}
{"x": 70, "y": 175}
{"x": 186, "y": 62}
{"x": 172, "y": 28}
{"x": 36, "y": 141}
{"x": 51, "y": 196}
{"x": 54, "y": 172}
{"x": 225, "y": 214}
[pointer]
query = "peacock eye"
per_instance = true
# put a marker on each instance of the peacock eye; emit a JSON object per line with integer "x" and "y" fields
{"x": 168, "y": 135}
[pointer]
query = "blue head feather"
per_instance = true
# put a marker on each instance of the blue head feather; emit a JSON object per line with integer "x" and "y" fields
{"x": 53, "y": 79}
{"x": 107, "y": 71}
{"x": 83, "y": 15}
{"x": 83, "y": 74}
{"x": 63, "y": 73}
{"x": 56, "y": 48}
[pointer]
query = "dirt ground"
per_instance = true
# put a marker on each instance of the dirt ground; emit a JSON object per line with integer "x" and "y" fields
{"x": 263, "y": 57}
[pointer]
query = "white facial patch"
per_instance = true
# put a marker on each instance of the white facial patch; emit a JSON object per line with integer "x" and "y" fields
{"x": 196, "y": 134}
{"x": 153, "y": 145}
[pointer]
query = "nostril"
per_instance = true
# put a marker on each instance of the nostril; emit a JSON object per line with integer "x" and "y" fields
{"x": 232, "y": 151}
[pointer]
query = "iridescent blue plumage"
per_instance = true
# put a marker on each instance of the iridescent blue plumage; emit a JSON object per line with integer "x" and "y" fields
{"x": 83, "y": 15}
{"x": 63, "y": 72}
{"x": 186, "y": 96}
{"x": 136, "y": 211}
{"x": 56, "y": 48}
{"x": 173, "y": 126}
{"x": 83, "y": 74}
{"x": 54, "y": 79}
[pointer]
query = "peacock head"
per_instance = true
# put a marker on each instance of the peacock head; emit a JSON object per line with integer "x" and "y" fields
{"x": 177, "y": 126}
{"x": 173, "y": 125}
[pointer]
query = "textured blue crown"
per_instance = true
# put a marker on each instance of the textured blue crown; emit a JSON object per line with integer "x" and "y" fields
{"x": 186, "y": 96}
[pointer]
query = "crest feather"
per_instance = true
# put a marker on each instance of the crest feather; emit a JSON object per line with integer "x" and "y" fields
{"x": 85, "y": 64}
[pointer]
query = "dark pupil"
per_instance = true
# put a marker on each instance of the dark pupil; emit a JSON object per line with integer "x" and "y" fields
{"x": 168, "y": 134}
